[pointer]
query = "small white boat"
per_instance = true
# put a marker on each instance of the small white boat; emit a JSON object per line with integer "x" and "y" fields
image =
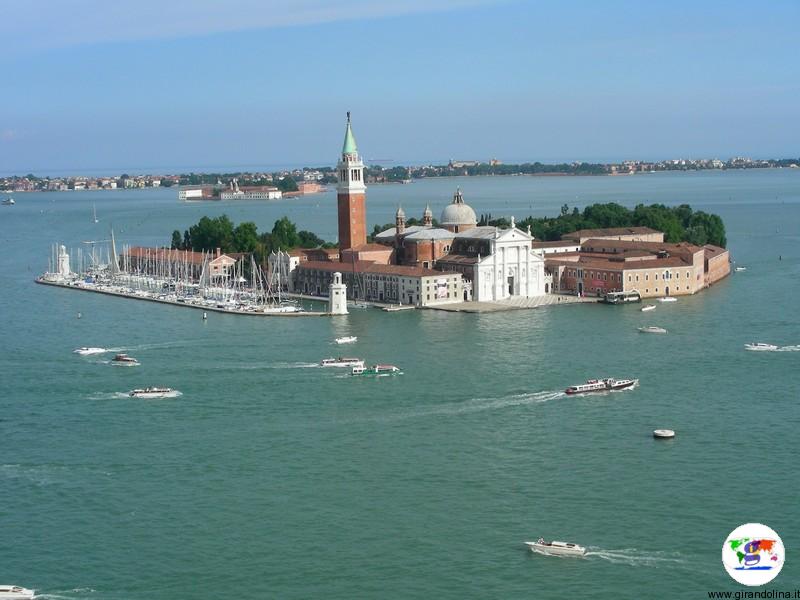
{"x": 740, "y": 269}
{"x": 663, "y": 434}
{"x": 342, "y": 362}
{"x": 376, "y": 370}
{"x": 123, "y": 360}
{"x": 651, "y": 329}
{"x": 87, "y": 351}
{"x": 667, "y": 299}
{"x": 16, "y": 592}
{"x": 555, "y": 548}
{"x": 153, "y": 392}
{"x": 760, "y": 347}
{"x": 9, "y": 202}
{"x": 348, "y": 339}
{"x": 601, "y": 385}
{"x": 648, "y": 307}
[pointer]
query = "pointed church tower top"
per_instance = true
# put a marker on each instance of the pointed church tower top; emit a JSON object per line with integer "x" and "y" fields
{"x": 349, "y": 146}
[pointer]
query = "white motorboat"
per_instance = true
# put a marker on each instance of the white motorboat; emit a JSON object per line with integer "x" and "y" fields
{"x": 87, "y": 351}
{"x": 342, "y": 362}
{"x": 555, "y": 548}
{"x": 760, "y": 347}
{"x": 9, "y": 202}
{"x": 601, "y": 385}
{"x": 740, "y": 269}
{"x": 15, "y": 592}
{"x": 648, "y": 307}
{"x": 667, "y": 299}
{"x": 651, "y": 329}
{"x": 663, "y": 434}
{"x": 376, "y": 370}
{"x": 348, "y": 339}
{"x": 153, "y": 392}
{"x": 123, "y": 360}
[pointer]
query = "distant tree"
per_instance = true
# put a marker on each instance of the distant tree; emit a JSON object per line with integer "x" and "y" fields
{"x": 210, "y": 234}
{"x": 564, "y": 210}
{"x": 309, "y": 239}
{"x": 187, "y": 240}
{"x": 167, "y": 183}
{"x": 287, "y": 184}
{"x": 177, "y": 240}
{"x": 284, "y": 235}
{"x": 245, "y": 237}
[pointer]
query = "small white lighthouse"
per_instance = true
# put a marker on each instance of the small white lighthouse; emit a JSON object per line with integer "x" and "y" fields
{"x": 63, "y": 262}
{"x": 337, "y": 296}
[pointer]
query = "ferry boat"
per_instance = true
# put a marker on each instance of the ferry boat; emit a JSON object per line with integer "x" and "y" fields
{"x": 348, "y": 339}
{"x": 760, "y": 347}
{"x": 152, "y": 392}
{"x": 651, "y": 329}
{"x": 667, "y": 299}
{"x": 601, "y": 385}
{"x": 123, "y": 360}
{"x": 555, "y": 548}
{"x": 621, "y": 297}
{"x": 8, "y": 202}
{"x": 648, "y": 307}
{"x": 86, "y": 351}
{"x": 376, "y": 370}
{"x": 16, "y": 592}
{"x": 342, "y": 362}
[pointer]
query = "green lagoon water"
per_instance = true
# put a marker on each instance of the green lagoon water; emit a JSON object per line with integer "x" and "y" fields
{"x": 272, "y": 478}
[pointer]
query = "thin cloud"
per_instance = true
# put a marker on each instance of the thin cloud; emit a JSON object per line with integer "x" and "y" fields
{"x": 38, "y": 25}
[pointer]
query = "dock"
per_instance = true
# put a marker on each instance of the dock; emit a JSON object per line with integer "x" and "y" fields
{"x": 513, "y": 303}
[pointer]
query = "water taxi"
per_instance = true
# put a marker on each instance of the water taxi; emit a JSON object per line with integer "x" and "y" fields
{"x": 621, "y": 297}
{"x": 601, "y": 385}
{"x": 376, "y": 370}
{"x": 123, "y": 360}
{"x": 648, "y": 307}
{"x": 348, "y": 339}
{"x": 153, "y": 392}
{"x": 760, "y": 347}
{"x": 16, "y": 592}
{"x": 663, "y": 434}
{"x": 87, "y": 351}
{"x": 555, "y": 548}
{"x": 342, "y": 362}
{"x": 651, "y": 329}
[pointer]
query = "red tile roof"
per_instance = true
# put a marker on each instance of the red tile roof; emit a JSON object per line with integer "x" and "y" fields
{"x": 368, "y": 266}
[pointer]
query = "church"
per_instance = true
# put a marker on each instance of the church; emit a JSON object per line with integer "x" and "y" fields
{"x": 421, "y": 265}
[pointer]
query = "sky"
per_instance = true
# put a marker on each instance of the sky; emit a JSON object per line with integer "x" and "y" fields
{"x": 92, "y": 86}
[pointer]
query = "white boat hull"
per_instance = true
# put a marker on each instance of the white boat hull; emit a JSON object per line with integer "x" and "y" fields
{"x": 663, "y": 434}
{"x": 572, "y": 550}
{"x": 15, "y": 592}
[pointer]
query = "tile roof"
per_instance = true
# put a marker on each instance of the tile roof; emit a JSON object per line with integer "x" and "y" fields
{"x": 432, "y": 233}
{"x": 368, "y": 266}
{"x": 584, "y": 233}
{"x": 458, "y": 259}
{"x": 390, "y": 233}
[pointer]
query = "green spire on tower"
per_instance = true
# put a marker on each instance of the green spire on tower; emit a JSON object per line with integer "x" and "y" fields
{"x": 349, "y": 146}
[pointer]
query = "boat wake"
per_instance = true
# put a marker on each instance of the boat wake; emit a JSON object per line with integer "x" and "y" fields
{"x": 482, "y": 404}
{"x": 108, "y": 396}
{"x": 293, "y": 365}
{"x": 66, "y": 594}
{"x": 776, "y": 349}
{"x": 637, "y": 558}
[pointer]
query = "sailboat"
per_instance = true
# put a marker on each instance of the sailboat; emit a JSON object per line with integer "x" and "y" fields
{"x": 94, "y": 214}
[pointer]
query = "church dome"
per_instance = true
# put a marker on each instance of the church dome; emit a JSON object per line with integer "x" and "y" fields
{"x": 458, "y": 213}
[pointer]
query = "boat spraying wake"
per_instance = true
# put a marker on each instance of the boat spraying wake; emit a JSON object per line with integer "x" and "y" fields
{"x": 637, "y": 558}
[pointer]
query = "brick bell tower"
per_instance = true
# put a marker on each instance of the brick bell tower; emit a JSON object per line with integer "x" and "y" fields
{"x": 351, "y": 194}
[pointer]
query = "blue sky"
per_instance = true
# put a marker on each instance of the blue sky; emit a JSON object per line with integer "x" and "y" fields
{"x": 92, "y": 85}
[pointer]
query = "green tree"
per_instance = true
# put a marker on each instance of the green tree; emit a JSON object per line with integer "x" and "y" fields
{"x": 284, "y": 235}
{"x": 287, "y": 184}
{"x": 245, "y": 237}
{"x": 177, "y": 241}
{"x": 210, "y": 234}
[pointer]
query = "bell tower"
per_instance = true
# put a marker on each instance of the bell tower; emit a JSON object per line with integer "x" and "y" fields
{"x": 351, "y": 194}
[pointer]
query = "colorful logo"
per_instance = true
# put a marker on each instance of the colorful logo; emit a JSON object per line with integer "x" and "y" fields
{"x": 753, "y": 554}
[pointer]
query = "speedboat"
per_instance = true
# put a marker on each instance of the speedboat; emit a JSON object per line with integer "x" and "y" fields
{"x": 9, "y": 202}
{"x": 663, "y": 434}
{"x": 760, "y": 347}
{"x": 667, "y": 299}
{"x": 555, "y": 548}
{"x": 648, "y": 307}
{"x": 740, "y": 269}
{"x": 601, "y": 385}
{"x": 348, "y": 339}
{"x": 651, "y": 329}
{"x": 7, "y": 592}
{"x": 87, "y": 351}
{"x": 123, "y": 360}
{"x": 153, "y": 392}
{"x": 342, "y": 362}
{"x": 376, "y": 370}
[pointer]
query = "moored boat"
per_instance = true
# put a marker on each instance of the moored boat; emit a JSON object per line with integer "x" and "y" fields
{"x": 663, "y": 434}
{"x": 667, "y": 299}
{"x": 760, "y": 347}
{"x": 740, "y": 269}
{"x": 342, "y": 362}
{"x": 651, "y": 329}
{"x": 555, "y": 548}
{"x": 601, "y": 385}
{"x": 87, "y": 351}
{"x": 15, "y": 592}
{"x": 123, "y": 360}
{"x": 648, "y": 307}
{"x": 348, "y": 339}
{"x": 377, "y": 370}
{"x": 153, "y": 392}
